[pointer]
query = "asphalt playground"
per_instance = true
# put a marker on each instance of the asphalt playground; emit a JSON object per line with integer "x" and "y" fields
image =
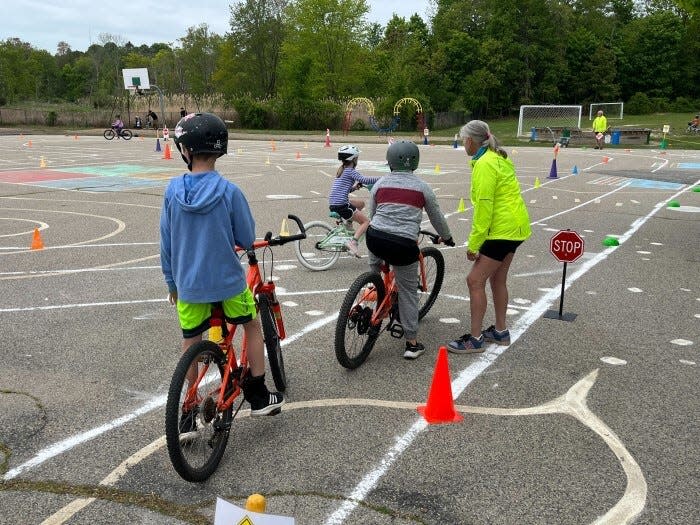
{"x": 594, "y": 420}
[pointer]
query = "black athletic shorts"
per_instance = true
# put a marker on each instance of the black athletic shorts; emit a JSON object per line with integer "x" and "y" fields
{"x": 344, "y": 210}
{"x": 394, "y": 249}
{"x": 498, "y": 249}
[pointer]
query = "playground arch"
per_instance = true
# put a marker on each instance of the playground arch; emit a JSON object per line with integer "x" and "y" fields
{"x": 347, "y": 121}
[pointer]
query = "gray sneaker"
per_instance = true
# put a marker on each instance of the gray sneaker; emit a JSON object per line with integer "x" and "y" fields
{"x": 494, "y": 336}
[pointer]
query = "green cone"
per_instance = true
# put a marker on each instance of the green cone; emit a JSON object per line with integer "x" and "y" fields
{"x": 696, "y": 189}
{"x": 674, "y": 204}
{"x": 611, "y": 241}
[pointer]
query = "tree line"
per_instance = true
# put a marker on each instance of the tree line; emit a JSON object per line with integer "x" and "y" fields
{"x": 294, "y": 63}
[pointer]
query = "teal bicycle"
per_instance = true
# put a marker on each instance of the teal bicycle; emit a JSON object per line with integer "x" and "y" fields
{"x": 323, "y": 243}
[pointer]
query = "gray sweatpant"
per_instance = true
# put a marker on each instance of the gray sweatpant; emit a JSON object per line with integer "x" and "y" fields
{"x": 407, "y": 283}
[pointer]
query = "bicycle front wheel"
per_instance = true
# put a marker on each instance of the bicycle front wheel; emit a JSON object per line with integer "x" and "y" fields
{"x": 196, "y": 431}
{"x": 308, "y": 252}
{"x": 272, "y": 343}
{"x": 434, "y": 265}
{"x": 354, "y": 334}
{"x": 109, "y": 134}
{"x": 126, "y": 134}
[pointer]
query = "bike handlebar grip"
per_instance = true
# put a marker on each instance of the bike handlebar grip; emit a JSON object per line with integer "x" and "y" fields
{"x": 299, "y": 224}
{"x": 449, "y": 242}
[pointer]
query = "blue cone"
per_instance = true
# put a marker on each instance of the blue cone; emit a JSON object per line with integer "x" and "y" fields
{"x": 157, "y": 144}
{"x": 574, "y": 171}
{"x": 553, "y": 170}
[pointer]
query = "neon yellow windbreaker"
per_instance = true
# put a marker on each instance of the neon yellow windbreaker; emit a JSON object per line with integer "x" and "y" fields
{"x": 600, "y": 124}
{"x": 499, "y": 208}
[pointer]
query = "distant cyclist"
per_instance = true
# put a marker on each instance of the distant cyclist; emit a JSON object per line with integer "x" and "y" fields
{"x": 118, "y": 125}
{"x": 347, "y": 180}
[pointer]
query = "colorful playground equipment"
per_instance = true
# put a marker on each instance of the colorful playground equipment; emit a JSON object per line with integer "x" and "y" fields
{"x": 362, "y": 101}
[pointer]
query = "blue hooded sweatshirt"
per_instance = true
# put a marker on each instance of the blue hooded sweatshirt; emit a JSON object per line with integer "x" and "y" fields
{"x": 204, "y": 217}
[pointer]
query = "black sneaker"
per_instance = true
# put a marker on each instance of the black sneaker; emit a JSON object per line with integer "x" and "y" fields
{"x": 262, "y": 401}
{"x": 413, "y": 351}
{"x": 269, "y": 405}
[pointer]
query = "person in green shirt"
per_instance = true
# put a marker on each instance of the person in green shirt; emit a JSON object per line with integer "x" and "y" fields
{"x": 600, "y": 126}
{"x": 500, "y": 224}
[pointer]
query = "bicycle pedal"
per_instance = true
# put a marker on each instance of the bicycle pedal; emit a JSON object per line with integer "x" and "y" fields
{"x": 395, "y": 330}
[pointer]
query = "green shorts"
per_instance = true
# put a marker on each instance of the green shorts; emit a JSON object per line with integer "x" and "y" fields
{"x": 194, "y": 317}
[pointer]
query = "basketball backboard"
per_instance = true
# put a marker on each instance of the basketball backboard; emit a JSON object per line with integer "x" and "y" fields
{"x": 136, "y": 78}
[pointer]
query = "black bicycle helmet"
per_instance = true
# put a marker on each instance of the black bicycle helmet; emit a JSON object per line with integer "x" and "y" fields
{"x": 403, "y": 155}
{"x": 201, "y": 133}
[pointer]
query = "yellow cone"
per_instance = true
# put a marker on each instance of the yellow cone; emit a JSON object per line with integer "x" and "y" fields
{"x": 460, "y": 206}
{"x": 42, "y": 162}
{"x": 284, "y": 229}
{"x": 267, "y": 161}
{"x": 537, "y": 182}
{"x": 256, "y": 503}
{"x": 437, "y": 168}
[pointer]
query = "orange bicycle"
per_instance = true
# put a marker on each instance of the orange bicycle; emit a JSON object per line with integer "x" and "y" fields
{"x": 372, "y": 298}
{"x": 196, "y": 448}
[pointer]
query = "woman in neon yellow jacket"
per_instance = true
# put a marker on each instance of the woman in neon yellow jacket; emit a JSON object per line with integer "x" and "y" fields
{"x": 500, "y": 224}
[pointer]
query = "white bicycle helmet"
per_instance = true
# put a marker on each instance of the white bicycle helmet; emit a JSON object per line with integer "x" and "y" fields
{"x": 348, "y": 152}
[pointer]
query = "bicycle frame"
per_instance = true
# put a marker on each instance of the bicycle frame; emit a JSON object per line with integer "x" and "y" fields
{"x": 391, "y": 290}
{"x": 337, "y": 238}
{"x": 257, "y": 285}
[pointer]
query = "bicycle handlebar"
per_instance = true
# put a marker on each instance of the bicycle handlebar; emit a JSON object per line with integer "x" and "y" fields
{"x": 280, "y": 239}
{"x": 435, "y": 238}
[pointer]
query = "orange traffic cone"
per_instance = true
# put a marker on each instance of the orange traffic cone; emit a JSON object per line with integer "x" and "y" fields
{"x": 29, "y": 144}
{"x": 37, "y": 243}
{"x": 440, "y": 407}
{"x": 298, "y": 155}
{"x": 166, "y": 154}
{"x": 328, "y": 138}
{"x": 605, "y": 160}
{"x": 272, "y": 145}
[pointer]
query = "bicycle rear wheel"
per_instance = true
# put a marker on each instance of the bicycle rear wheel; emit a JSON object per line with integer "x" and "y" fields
{"x": 109, "y": 134}
{"x": 196, "y": 432}
{"x": 309, "y": 254}
{"x": 434, "y": 264}
{"x": 354, "y": 335}
{"x": 272, "y": 343}
{"x": 126, "y": 134}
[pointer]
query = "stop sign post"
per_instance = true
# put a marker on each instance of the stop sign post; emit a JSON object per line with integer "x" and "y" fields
{"x": 566, "y": 246}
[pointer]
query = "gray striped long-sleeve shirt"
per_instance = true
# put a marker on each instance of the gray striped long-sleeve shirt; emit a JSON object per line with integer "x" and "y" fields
{"x": 396, "y": 206}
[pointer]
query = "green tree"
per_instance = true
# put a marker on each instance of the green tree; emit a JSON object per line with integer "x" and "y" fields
{"x": 199, "y": 54}
{"x": 254, "y": 46}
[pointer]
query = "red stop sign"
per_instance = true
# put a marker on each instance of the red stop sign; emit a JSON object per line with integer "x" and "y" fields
{"x": 566, "y": 246}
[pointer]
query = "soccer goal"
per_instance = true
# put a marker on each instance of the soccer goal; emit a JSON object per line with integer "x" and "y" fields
{"x": 612, "y": 110}
{"x": 539, "y": 117}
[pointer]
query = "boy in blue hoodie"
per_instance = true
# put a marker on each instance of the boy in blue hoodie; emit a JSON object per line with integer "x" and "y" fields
{"x": 204, "y": 217}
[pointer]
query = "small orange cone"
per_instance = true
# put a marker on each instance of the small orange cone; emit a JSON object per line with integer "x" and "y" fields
{"x": 328, "y": 138}
{"x": 298, "y": 155}
{"x": 37, "y": 243}
{"x": 75, "y": 137}
{"x": 440, "y": 407}
{"x": 272, "y": 145}
{"x": 29, "y": 144}
{"x": 605, "y": 160}
{"x": 166, "y": 154}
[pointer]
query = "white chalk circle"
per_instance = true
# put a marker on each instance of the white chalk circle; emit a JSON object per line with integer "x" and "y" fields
{"x": 289, "y": 303}
{"x": 282, "y": 197}
{"x": 681, "y": 342}
{"x": 314, "y": 313}
{"x": 634, "y": 290}
{"x": 613, "y": 361}
{"x": 686, "y": 362}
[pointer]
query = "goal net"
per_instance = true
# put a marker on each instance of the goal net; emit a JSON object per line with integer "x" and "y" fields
{"x": 612, "y": 110}
{"x": 539, "y": 117}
